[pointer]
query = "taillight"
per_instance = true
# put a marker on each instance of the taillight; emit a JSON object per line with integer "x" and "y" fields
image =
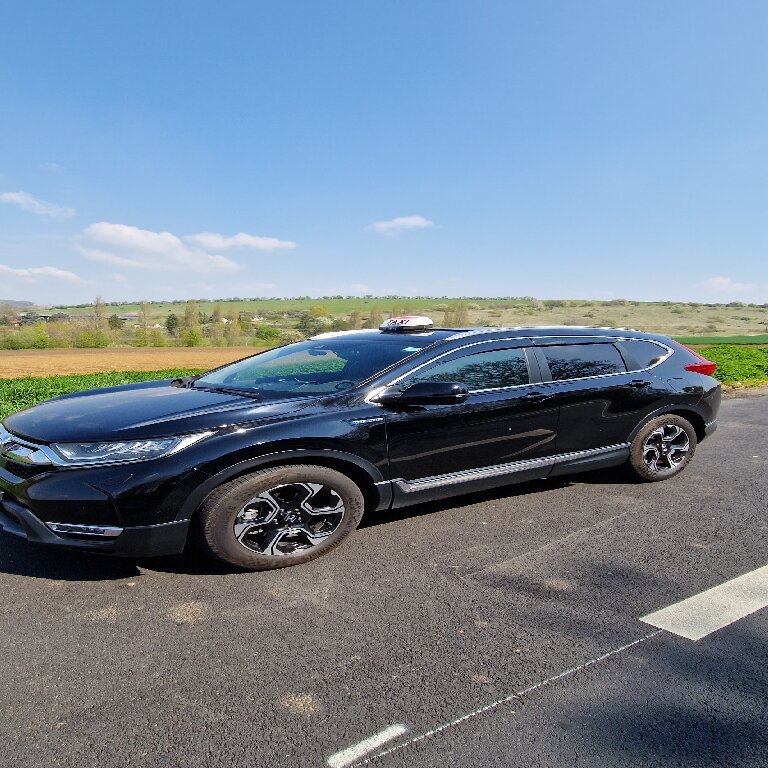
{"x": 707, "y": 367}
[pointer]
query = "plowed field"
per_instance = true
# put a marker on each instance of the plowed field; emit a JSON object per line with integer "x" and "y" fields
{"x": 17, "y": 363}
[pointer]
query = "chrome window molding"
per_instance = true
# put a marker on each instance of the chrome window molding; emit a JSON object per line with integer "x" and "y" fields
{"x": 497, "y": 470}
{"x": 445, "y": 354}
{"x": 666, "y": 357}
{"x": 609, "y": 339}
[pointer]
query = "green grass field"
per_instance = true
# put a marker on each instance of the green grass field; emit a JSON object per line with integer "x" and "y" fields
{"x": 693, "y": 321}
{"x": 17, "y": 394}
{"x": 736, "y": 364}
{"x": 699, "y": 340}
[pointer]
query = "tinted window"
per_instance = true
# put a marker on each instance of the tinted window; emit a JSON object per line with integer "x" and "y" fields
{"x": 575, "y": 361}
{"x": 483, "y": 370}
{"x": 319, "y": 366}
{"x": 641, "y": 354}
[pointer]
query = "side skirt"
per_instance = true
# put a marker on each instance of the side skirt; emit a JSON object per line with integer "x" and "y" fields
{"x": 406, "y": 492}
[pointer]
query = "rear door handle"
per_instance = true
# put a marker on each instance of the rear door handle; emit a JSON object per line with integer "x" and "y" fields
{"x": 639, "y": 383}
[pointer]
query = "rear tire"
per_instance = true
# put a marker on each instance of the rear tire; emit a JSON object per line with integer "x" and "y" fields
{"x": 662, "y": 448}
{"x": 279, "y": 516}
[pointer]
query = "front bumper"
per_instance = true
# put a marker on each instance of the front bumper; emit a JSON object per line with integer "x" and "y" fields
{"x": 135, "y": 541}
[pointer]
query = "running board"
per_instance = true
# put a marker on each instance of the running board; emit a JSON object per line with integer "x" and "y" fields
{"x": 611, "y": 453}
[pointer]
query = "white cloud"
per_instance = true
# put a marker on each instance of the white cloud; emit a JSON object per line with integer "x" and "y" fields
{"x": 128, "y": 246}
{"x": 116, "y": 277}
{"x": 724, "y": 285}
{"x": 39, "y": 207}
{"x": 400, "y": 224}
{"x": 212, "y": 241}
{"x": 35, "y": 273}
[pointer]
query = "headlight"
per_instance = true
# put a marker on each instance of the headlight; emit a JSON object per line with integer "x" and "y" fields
{"x": 125, "y": 450}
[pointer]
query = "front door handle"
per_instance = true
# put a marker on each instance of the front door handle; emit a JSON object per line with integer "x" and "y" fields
{"x": 536, "y": 397}
{"x": 639, "y": 383}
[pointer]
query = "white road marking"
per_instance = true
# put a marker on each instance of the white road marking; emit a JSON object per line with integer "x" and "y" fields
{"x": 512, "y": 697}
{"x": 702, "y": 614}
{"x": 349, "y": 755}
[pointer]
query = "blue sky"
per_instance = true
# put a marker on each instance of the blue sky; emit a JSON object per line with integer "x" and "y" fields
{"x": 171, "y": 149}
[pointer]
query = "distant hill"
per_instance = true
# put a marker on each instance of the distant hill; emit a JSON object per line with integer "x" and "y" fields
{"x": 15, "y": 303}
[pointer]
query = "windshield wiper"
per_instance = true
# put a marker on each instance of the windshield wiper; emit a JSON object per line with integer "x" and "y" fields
{"x": 185, "y": 382}
{"x": 252, "y": 393}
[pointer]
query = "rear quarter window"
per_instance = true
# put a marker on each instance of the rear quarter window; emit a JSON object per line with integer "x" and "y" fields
{"x": 639, "y": 354}
{"x": 578, "y": 361}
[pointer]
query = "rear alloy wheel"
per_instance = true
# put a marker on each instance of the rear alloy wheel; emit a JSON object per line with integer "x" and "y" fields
{"x": 662, "y": 447}
{"x": 280, "y": 516}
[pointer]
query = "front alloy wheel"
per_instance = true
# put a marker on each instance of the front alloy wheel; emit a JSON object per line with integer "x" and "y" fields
{"x": 279, "y": 516}
{"x": 662, "y": 447}
{"x": 289, "y": 518}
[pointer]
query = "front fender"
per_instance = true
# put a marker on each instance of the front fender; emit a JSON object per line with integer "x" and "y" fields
{"x": 381, "y": 488}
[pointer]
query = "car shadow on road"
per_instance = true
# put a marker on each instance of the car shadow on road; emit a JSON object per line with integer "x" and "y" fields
{"x": 20, "y": 558}
{"x": 613, "y": 476}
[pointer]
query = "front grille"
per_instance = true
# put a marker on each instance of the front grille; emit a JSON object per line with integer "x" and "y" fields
{"x": 25, "y": 471}
{"x": 22, "y": 458}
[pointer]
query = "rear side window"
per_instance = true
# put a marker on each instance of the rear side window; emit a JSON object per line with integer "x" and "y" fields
{"x": 640, "y": 354}
{"x": 577, "y": 361}
{"x": 483, "y": 370}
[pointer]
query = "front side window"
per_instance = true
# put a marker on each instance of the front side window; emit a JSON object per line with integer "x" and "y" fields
{"x": 482, "y": 370}
{"x": 578, "y": 361}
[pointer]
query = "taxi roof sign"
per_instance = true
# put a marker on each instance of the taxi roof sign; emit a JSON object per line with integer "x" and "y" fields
{"x": 407, "y": 323}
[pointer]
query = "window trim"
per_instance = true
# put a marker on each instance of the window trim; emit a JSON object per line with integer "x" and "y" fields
{"x": 668, "y": 350}
{"x": 544, "y": 365}
{"x": 534, "y": 371}
{"x": 532, "y": 354}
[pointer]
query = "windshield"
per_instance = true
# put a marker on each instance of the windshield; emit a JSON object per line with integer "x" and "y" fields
{"x": 319, "y": 366}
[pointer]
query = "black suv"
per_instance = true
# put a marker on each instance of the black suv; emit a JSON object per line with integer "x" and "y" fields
{"x": 271, "y": 460}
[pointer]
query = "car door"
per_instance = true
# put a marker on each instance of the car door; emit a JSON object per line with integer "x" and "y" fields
{"x": 503, "y": 431}
{"x": 600, "y": 400}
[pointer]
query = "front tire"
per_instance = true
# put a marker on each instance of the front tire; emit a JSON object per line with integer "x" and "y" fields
{"x": 279, "y": 516}
{"x": 662, "y": 448}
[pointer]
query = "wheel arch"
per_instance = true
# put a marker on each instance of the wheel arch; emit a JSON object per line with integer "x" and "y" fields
{"x": 686, "y": 412}
{"x": 376, "y": 491}
{"x": 696, "y": 420}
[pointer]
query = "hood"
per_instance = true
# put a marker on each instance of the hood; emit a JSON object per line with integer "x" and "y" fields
{"x": 137, "y": 411}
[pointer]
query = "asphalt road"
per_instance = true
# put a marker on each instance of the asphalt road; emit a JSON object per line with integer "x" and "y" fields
{"x": 492, "y": 630}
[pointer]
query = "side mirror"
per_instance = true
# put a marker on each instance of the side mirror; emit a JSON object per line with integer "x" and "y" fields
{"x": 424, "y": 393}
